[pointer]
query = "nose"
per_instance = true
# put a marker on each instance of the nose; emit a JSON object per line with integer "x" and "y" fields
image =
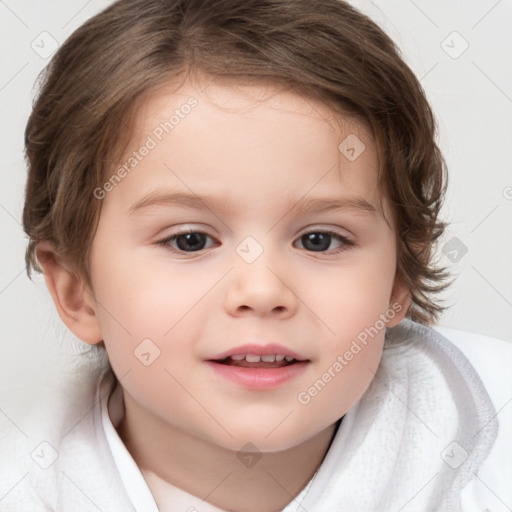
{"x": 260, "y": 289}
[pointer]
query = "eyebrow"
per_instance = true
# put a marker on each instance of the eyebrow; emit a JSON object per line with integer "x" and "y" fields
{"x": 190, "y": 200}
{"x": 222, "y": 204}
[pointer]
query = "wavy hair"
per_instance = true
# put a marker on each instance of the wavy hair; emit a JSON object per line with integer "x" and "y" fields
{"x": 327, "y": 50}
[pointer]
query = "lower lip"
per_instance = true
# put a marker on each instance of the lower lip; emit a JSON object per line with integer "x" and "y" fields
{"x": 258, "y": 378}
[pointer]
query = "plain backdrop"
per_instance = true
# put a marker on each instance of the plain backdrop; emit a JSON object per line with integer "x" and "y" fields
{"x": 461, "y": 51}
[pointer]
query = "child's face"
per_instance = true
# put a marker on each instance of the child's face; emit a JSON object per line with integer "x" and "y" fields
{"x": 260, "y": 169}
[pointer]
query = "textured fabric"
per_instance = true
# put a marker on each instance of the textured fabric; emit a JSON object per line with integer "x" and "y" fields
{"x": 417, "y": 435}
{"x": 413, "y": 442}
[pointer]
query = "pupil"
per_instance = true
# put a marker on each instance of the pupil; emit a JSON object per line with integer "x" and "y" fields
{"x": 191, "y": 241}
{"x": 317, "y": 241}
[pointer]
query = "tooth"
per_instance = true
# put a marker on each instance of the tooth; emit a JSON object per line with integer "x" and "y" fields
{"x": 269, "y": 358}
{"x": 251, "y": 358}
{"x": 289, "y": 358}
{"x": 238, "y": 357}
{"x": 279, "y": 357}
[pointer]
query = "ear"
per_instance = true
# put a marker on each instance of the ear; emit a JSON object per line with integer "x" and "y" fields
{"x": 74, "y": 303}
{"x": 399, "y": 302}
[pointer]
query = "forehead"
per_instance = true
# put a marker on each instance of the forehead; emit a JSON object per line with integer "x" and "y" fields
{"x": 215, "y": 133}
{"x": 259, "y": 99}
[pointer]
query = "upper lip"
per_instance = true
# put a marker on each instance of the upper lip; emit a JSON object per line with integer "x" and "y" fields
{"x": 258, "y": 350}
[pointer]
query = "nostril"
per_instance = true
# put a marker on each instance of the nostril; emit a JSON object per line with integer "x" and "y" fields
{"x": 244, "y": 308}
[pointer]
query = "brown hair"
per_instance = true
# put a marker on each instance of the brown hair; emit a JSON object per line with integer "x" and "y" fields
{"x": 327, "y": 50}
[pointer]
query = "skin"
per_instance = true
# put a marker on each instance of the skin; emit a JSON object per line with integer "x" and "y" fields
{"x": 263, "y": 149}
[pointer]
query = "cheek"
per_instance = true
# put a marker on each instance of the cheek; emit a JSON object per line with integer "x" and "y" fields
{"x": 353, "y": 296}
{"x": 340, "y": 383}
{"x": 141, "y": 301}
{"x": 351, "y": 351}
{"x": 352, "y": 306}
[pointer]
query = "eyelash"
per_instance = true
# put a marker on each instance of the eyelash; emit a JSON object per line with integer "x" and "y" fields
{"x": 346, "y": 242}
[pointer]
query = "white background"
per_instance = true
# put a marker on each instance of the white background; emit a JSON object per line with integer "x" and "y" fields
{"x": 472, "y": 99}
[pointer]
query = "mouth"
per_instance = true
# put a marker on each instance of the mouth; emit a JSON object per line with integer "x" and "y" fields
{"x": 258, "y": 372}
{"x": 258, "y": 361}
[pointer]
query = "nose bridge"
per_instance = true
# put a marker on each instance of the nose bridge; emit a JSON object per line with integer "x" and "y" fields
{"x": 257, "y": 282}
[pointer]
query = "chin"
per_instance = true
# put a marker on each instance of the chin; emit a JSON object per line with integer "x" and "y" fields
{"x": 259, "y": 440}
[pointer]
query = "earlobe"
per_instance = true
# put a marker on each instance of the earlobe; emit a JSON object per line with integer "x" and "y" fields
{"x": 399, "y": 302}
{"x": 74, "y": 303}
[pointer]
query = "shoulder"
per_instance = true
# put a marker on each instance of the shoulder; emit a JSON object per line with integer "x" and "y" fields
{"x": 55, "y": 464}
{"x": 492, "y": 359}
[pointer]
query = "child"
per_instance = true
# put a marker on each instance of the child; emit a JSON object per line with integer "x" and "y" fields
{"x": 283, "y": 360}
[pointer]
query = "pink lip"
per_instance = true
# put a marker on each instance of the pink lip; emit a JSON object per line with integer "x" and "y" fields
{"x": 258, "y": 350}
{"x": 258, "y": 378}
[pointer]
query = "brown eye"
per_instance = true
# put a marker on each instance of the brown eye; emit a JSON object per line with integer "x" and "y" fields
{"x": 191, "y": 241}
{"x": 320, "y": 241}
{"x": 316, "y": 241}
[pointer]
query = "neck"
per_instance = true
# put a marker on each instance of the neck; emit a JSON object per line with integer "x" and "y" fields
{"x": 223, "y": 477}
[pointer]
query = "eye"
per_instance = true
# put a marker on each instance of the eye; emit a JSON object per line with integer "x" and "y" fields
{"x": 189, "y": 241}
{"x": 320, "y": 241}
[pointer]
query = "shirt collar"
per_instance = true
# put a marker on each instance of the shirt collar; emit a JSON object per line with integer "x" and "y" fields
{"x": 111, "y": 410}
{"x": 135, "y": 479}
